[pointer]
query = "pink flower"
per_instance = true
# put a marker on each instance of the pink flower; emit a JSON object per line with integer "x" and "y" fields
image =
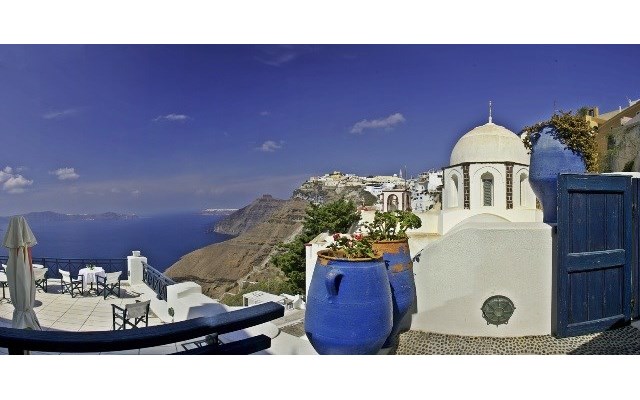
{"x": 357, "y": 236}
{"x": 336, "y": 236}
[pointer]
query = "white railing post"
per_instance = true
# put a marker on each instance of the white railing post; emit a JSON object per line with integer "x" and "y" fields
{"x": 134, "y": 266}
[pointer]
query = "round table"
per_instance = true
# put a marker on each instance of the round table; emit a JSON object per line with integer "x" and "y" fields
{"x": 90, "y": 276}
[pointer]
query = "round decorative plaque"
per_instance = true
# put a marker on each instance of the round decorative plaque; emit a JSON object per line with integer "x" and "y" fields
{"x": 497, "y": 310}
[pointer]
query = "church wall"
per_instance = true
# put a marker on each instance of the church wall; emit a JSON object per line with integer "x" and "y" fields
{"x": 458, "y": 272}
{"x": 452, "y": 198}
{"x": 522, "y": 189}
{"x": 499, "y": 188}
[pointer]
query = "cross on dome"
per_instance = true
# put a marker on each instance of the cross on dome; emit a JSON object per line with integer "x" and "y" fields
{"x": 490, "y": 117}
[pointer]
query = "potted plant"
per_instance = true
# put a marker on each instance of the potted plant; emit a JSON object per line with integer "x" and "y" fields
{"x": 349, "y": 308}
{"x": 388, "y": 233}
{"x": 564, "y": 144}
{"x": 171, "y": 313}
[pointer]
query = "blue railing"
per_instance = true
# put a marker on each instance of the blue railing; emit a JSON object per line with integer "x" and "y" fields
{"x": 20, "y": 341}
{"x": 73, "y": 265}
{"x": 156, "y": 280}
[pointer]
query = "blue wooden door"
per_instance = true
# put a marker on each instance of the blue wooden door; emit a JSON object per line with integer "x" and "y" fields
{"x": 595, "y": 246}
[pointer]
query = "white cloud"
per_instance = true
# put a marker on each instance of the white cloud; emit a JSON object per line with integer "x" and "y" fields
{"x": 270, "y": 146}
{"x": 278, "y": 55}
{"x": 13, "y": 183}
{"x": 386, "y": 123}
{"x": 265, "y": 113}
{"x": 172, "y": 117}
{"x": 60, "y": 114}
{"x": 64, "y": 174}
{"x": 16, "y": 184}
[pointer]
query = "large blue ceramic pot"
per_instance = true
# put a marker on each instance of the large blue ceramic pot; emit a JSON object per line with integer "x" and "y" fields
{"x": 349, "y": 309}
{"x": 400, "y": 272}
{"x": 549, "y": 158}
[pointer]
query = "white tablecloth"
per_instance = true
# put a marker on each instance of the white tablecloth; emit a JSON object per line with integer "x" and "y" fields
{"x": 90, "y": 275}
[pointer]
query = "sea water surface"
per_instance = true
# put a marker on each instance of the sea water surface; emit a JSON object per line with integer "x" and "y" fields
{"x": 163, "y": 239}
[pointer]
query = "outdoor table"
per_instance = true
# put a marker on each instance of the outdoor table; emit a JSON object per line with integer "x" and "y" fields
{"x": 90, "y": 276}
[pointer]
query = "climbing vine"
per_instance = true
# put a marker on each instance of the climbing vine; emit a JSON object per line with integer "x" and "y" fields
{"x": 573, "y": 131}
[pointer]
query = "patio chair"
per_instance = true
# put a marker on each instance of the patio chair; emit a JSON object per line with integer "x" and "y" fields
{"x": 108, "y": 284}
{"x": 4, "y": 284}
{"x": 40, "y": 276}
{"x": 131, "y": 315}
{"x": 71, "y": 285}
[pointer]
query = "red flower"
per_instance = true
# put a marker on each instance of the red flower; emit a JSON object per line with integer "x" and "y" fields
{"x": 357, "y": 236}
{"x": 336, "y": 236}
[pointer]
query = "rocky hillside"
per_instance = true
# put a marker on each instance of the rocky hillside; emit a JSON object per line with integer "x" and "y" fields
{"x": 623, "y": 153}
{"x": 318, "y": 193}
{"x": 247, "y": 217}
{"x": 219, "y": 267}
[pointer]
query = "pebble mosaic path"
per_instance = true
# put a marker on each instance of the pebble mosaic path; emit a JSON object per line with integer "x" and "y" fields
{"x": 624, "y": 340}
{"x": 619, "y": 341}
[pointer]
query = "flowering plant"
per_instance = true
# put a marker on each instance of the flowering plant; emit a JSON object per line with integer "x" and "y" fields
{"x": 392, "y": 225}
{"x": 356, "y": 246}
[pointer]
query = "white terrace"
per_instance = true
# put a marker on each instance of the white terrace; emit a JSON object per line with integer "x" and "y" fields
{"x": 88, "y": 312}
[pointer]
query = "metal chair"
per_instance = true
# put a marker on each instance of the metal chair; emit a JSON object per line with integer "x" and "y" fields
{"x": 40, "y": 276}
{"x": 108, "y": 284}
{"x": 71, "y": 285}
{"x": 131, "y": 315}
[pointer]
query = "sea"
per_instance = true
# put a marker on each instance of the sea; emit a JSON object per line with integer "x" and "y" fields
{"x": 163, "y": 239}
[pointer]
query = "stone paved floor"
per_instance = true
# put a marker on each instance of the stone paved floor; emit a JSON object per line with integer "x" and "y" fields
{"x": 56, "y": 311}
{"x": 624, "y": 340}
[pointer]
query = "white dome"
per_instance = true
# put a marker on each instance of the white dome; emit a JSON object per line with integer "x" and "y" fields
{"x": 489, "y": 143}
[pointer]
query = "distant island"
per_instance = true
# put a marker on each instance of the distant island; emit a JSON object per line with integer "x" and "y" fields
{"x": 47, "y": 216}
{"x": 218, "y": 211}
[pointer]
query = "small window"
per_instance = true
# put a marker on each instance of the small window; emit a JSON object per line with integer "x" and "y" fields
{"x": 453, "y": 192}
{"x": 487, "y": 189}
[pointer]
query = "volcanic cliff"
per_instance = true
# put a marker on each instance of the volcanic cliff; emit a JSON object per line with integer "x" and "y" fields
{"x": 220, "y": 267}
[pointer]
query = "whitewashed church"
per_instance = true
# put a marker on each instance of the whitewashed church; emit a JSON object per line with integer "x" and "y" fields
{"x": 488, "y": 174}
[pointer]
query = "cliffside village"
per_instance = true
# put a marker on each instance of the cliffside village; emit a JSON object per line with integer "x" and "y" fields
{"x": 421, "y": 192}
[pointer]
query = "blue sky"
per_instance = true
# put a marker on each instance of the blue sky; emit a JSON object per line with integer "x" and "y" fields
{"x": 152, "y": 128}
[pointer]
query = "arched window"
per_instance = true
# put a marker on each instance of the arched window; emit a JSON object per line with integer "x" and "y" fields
{"x": 392, "y": 203}
{"x": 523, "y": 190}
{"x": 453, "y": 192}
{"x": 487, "y": 189}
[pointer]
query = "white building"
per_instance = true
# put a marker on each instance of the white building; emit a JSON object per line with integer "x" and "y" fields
{"x": 488, "y": 174}
{"x": 491, "y": 249}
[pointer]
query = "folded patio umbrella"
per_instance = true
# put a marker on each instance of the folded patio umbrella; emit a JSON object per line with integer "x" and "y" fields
{"x": 19, "y": 239}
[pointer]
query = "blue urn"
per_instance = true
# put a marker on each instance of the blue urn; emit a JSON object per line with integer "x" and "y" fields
{"x": 400, "y": 272}
{"x": 349, "y": 308}
{"x": 550, "y": 157}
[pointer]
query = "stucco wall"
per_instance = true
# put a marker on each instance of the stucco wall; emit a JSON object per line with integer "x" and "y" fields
{"x": 458, "y": 272}
{"x": 524, "y": 200}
